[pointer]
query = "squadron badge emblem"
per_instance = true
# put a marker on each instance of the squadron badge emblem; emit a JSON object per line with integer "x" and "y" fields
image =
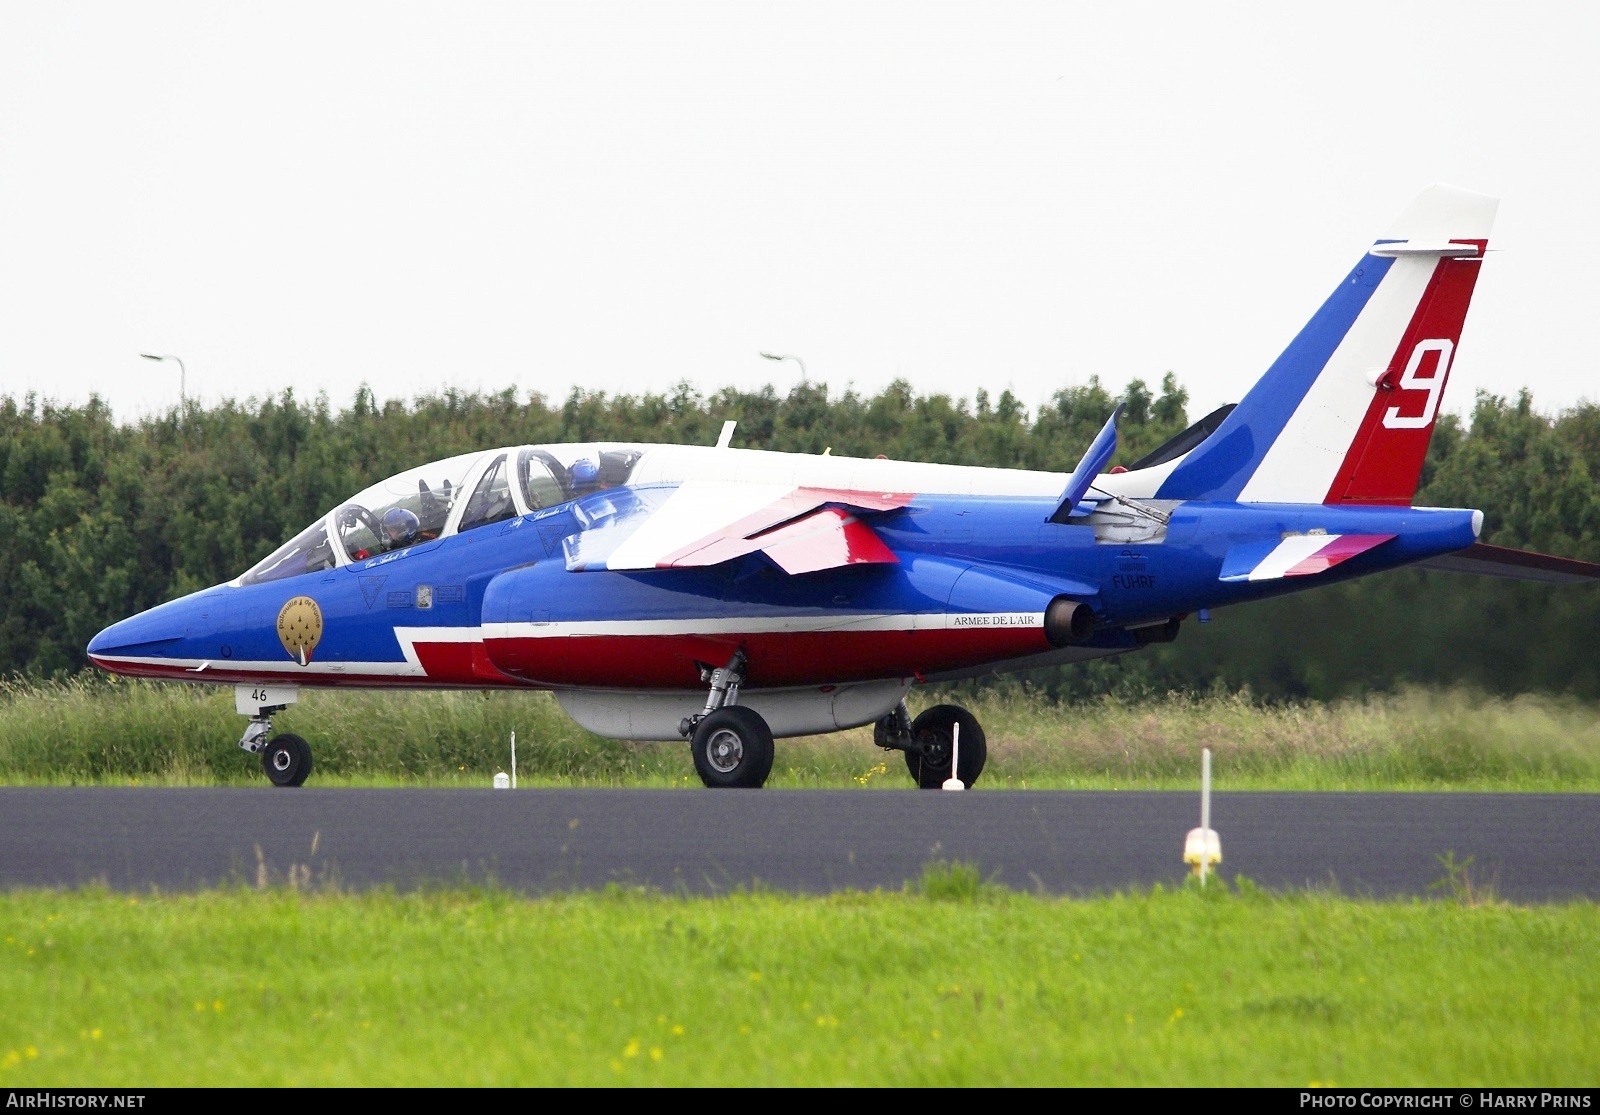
{"x": 300, "y": 628}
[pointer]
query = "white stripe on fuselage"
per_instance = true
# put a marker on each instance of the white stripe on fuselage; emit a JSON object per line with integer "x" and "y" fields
{"x": 409, "y": 637}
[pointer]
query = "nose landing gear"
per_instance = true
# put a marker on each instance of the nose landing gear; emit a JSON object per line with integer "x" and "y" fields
{"x": 286, "y": 758}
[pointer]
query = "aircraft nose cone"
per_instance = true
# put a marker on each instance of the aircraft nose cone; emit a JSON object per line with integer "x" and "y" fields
{"x": 102, "y": 641}
{"x": 142, "y": 634}
{"x": 111, "y": 639}
{"x": 131, "y": 635}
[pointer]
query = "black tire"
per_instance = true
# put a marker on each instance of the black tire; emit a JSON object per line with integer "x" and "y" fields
{"x": 286, "y": 759}
{"x": 732, "y": 748}
{"x": 933, "y": 731}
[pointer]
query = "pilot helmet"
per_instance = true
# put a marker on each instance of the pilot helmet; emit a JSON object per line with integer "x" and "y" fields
{"x": 400, "y": 525}
{"x": 584, "y": 471}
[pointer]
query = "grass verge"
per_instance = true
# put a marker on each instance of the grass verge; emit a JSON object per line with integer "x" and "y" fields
{"x": 95, "y": 730}
{"x": 949, "y": 982}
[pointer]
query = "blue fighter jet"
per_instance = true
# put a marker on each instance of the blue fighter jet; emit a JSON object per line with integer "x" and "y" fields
{"x": 727, "y": 597}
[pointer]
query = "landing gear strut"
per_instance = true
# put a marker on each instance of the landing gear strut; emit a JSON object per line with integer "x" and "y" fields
{"x": 285, "y": 758}
{"x": 731, "y": 744}
{"x": 927, "y": 742}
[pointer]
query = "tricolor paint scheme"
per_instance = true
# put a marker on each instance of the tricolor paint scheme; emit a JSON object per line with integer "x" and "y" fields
{"x": 731, "y": 596}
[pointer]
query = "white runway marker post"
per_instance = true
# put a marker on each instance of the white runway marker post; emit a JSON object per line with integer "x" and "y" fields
{"x": 514, "y": 760}
{"x": 1205, "y": 798}
{"x": 1202, "y": 847}
{"x": 953, "y": 782}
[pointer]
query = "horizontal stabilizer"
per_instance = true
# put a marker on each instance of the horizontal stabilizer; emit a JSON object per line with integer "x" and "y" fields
{"x": 1516, "y": 565}
{"x": 1394, "y": 249}
{"x": 1299, "y": 555}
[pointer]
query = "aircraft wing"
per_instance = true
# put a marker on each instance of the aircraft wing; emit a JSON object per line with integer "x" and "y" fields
{"x": 703, "y": 523}
{"x": 1516, "y": 565}
{"x": 1299, "y": 555}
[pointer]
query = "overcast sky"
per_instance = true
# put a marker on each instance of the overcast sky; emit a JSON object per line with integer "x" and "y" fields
{"x": 620, "y": 196}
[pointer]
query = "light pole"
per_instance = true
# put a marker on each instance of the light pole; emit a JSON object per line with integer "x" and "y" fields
{"x": 786, "y": 356}
{"x": 182, "y": 375}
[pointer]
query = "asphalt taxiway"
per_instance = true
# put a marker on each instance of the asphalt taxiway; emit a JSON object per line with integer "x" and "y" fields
{"x": 1530, "y": 847}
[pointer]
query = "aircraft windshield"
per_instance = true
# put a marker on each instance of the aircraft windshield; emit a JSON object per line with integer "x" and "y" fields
{"x": 415, "y": 505}
{"x": 402, "y": 510}
{"x": 307, "y": 552}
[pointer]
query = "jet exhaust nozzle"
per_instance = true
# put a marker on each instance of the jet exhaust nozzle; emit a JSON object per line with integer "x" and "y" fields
{"x": 1067, "y": 621}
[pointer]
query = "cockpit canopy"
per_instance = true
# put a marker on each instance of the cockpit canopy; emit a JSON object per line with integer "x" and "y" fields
{"x": 425, "y": 503}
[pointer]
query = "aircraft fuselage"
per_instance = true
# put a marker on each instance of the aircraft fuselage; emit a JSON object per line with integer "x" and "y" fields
{"x": 498, "y": 606}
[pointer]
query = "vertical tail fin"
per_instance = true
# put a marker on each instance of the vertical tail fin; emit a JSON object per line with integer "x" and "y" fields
{"x": 1346, "y": 413}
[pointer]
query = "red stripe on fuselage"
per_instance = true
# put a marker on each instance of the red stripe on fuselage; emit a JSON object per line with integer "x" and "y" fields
{"x": 651, "y": 661}
{"x": 465, "y": 663}
{"x": 775, "y": 658}
{"x": 1384, "y": 462}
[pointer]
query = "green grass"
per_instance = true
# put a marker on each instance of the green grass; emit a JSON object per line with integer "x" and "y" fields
{"x": 951, "y": 982}
{"x": 94, "y": 730}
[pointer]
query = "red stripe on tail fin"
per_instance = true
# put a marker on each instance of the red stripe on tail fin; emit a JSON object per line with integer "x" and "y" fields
{"x": 1384, "y": 462}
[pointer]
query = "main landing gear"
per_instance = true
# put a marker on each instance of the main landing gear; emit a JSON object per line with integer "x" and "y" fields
{"x": 286, "y": 758}
{"x": 929, "y": 740}
{"x": 731, "y": 744}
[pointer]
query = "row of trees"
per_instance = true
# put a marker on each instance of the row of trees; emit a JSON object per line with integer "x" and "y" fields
{"x": 100, "y": 519}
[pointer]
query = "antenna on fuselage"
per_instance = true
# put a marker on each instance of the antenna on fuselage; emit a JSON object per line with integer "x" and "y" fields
{"x": 725, "y": 438}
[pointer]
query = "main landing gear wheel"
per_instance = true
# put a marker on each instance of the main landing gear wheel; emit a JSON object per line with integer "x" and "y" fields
{"x": 932, "y": 733}
{"x": 732, "y": 747}
{"x": 286, "y": 759}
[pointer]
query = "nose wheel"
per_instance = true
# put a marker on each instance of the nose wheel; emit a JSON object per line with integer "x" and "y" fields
{"x": 287, "y": 760}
